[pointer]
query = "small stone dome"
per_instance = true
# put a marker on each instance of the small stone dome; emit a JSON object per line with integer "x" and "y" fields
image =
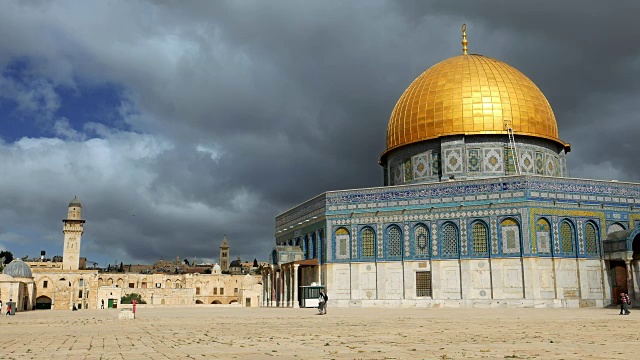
{"x": 216, "y": 269}
{"x": 18, "y": 269}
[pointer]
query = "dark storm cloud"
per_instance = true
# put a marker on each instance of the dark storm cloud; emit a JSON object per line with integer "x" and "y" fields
{"x": 253, "y": 107}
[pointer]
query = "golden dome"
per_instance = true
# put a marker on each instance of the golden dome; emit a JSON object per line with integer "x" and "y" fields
{"x": 470, "y": 94}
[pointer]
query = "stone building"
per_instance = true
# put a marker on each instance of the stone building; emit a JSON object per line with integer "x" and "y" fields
{"x": 55, "y": 285}
{"x": 477, "y": 209}
{"x": 17, "y": 285}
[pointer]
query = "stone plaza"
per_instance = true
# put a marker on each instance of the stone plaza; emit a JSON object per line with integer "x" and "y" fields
{"x": 234, "y": 332}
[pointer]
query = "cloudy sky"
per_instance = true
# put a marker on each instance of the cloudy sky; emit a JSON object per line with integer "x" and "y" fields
{"x": 177, "y": 122}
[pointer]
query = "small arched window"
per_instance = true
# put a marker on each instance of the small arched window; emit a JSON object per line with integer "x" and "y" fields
{"x": 566, "y": 237}
{"x": 591, "y": 238}
{"x": 543, "y": 236}
{"x": 510, "y": 234}
{"x": 479, "y": 234}
{"x": 342, "y": 243}
{"x": 421, "y": 234}
{"x": 394, "y": 242}
{"x": 368, "y": 243}
{"x": 450, "y": 240}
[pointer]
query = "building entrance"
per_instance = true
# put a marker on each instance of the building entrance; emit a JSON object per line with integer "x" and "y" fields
{"x": 619, "y": 280}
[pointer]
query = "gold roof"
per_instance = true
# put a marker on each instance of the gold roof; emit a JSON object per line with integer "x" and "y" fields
{"x": 470, "y": 94}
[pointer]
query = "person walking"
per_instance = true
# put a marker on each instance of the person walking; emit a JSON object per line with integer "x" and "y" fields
{"x": 321, "y": 303}
{"x": 8, "y": 309}
{"x": 0, "y": 307}
{"x": 625, "y": 304}
{"x": 102, "y": 304}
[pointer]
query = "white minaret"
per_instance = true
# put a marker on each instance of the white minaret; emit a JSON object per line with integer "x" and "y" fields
{"x": 73, "y": 229}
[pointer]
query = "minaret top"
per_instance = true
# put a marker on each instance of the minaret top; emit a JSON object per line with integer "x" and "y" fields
{"x": 75, "y": 202}
{"x": 225, "y": 244}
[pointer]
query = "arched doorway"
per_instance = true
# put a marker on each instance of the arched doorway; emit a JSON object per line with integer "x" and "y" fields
{"x": 234, "y": 301}
{"x": 199, "y": 302}
{"x": 43, "y": 302}
{"x": 216, "y": 302}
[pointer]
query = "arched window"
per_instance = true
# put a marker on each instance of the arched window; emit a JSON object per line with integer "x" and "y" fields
{"x": 394, "y": 242}
{"x": 312, "y": 246}
{"x": 449, "y": 240}
{"x": 510, "y": 234}
{"x": 421, "y": 234}
{"x": 615, "y": 227}
{"x": 543, "y": 236}
{"x": 342, "y": 243}
{"x": 566, "y": 237}
{"x": 479, "y": 234}
{"x": 591, "y": 238}
{"x": 368, "y": 238}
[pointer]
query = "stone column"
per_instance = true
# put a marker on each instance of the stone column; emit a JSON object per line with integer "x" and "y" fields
{"x": 290, "y": 292}
{"x": 280, "y": 287}
{"x": 296, "y": 304}
{"x": 630, "y": 290}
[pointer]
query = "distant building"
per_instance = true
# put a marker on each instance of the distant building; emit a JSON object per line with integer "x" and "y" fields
{"x": 63, "y": 285}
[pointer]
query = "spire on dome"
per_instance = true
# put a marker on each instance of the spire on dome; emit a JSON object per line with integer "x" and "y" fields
{"x": 464, "y": 39}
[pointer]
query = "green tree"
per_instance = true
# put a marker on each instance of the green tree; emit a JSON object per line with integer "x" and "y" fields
{"x": 7, "y": 256}
{"x": 128, "y": 299}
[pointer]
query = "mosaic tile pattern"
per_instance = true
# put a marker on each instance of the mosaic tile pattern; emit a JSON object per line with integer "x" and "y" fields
{"x": 435, "y": 164}
{"x": 527, "y": 163}
{"x": 380, "y": 247}
{"x": 539, "y": 163}
{"x": 453, "y": 162}
{"x": 493, "y": 160}
{"x": 421, "y": 167}
{"x": 580, "y": 237}
{"x": 407, "y": 244}
{"x": 474, "y": 161}
{"x": 463, "y": 238}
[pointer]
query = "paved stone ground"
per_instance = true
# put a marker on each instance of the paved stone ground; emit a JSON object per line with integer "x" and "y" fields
{"x": 261, "y": 333}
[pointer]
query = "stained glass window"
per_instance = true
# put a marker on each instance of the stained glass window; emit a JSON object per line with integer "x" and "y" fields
{"x": 368, "y": 243}
{"x": 543, "y": 236}
{"x": 479, "y": 233}
{"x": 394, "y": 242}
{"x": 449, "y": 240}
{"x": 591, "y": 238}
{"x": 422, "y": 240}
{"x": 566, "y": 236}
